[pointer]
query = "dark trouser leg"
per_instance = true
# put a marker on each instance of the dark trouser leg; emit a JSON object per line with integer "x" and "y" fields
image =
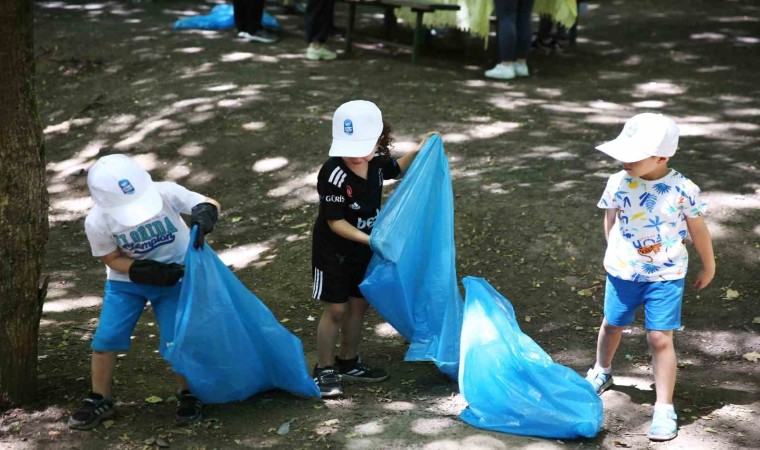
{"x": 242, "y": 15}
{"x": 524, "y": 33}
{"x": 256, "y": 12}
{"x": 506, "y": 32}
{"x": 545, "y": 25}
{"x": 318, "y": 19}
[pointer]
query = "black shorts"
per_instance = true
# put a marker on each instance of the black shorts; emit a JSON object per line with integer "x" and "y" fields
{"x": 337, "y": 277}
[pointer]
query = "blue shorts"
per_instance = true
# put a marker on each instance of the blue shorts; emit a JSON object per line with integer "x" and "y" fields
{"x": 661, "y": 300}
{"x": 123, "y": 303}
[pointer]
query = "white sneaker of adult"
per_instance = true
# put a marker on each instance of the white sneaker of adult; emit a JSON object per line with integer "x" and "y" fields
{"x": 501, "y": 72}
{"x": 315, "y": 54}
{"x": 521, "y": 69}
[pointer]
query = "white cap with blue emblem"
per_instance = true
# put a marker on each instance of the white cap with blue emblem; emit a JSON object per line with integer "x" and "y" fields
{"x": 123, "y": 190}
{"x": 356, "y": 127}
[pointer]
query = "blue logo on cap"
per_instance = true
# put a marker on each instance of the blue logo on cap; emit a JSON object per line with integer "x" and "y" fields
{"x": 126, "y": 187}
{"x": 348, "y": 127}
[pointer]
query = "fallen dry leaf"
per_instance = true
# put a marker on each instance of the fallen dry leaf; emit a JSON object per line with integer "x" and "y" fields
{"x": 731, "y": 294}
{"x": 752, "y": 356}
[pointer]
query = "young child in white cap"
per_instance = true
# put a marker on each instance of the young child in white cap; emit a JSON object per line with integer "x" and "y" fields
{"x": 350, "y": 186}
{"x": 135, "y": 228}
{"x": 650, "y": 210}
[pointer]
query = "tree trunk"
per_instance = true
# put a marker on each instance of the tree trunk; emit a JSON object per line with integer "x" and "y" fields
{"x": 23, "y": 206}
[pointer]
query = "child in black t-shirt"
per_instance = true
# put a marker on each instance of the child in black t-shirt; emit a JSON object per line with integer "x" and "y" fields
{"x": 350, "y": 186}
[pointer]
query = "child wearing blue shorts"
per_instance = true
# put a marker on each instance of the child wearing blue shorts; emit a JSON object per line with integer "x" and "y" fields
{"x": 135, "y": 228}
{"x": 650, "y": 210}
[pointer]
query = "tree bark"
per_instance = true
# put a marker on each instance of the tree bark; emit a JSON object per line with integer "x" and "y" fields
{"x": 23, "y": 206}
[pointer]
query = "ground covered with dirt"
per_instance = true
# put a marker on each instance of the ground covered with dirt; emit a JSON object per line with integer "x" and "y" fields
{"x": 249, "y": 125}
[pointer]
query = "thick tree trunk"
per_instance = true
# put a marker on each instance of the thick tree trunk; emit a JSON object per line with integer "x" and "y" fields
{"x": 23, "y": 206}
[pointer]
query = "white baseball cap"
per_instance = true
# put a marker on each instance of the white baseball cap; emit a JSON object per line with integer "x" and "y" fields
{"x": 356, "y": 127}
{"x": 124, "y": 190}
{"x": 643, "y": 135}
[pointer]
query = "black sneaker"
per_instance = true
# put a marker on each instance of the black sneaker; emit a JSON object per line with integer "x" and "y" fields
{"x": 356, "y": 370}
{"x": 190, "y": 409}
{"x": 328, "y": 380}
{"x": 94, "y": 409}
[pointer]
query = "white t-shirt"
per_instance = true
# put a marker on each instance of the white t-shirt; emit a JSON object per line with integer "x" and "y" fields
{"x": 163, "y": 238}
{"x": 646, "y": 241}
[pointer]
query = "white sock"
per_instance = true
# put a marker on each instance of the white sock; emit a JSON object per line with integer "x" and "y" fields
{"x": 666, "y": 407}
{"x": 605, "y": 370}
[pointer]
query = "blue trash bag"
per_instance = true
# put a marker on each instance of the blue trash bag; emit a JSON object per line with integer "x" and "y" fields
{"x": 221, "y": 17}
{"x": 227, "y": 343}
{"x": 510, "y": 383}
{"x": 411, "y": 279}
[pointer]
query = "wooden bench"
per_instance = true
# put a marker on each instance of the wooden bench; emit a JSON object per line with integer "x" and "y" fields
{"x": 418, "y": 7}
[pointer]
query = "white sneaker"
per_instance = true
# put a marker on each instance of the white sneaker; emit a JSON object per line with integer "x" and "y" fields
{"x": 501, "y": 72}
{"x": 521, "y": 69}
{"x": 262, "y": 36}
{"x": 315, "y": 54}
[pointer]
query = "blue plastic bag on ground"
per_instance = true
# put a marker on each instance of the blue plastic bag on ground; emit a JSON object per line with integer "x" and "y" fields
{"x": 221, "y": 17}
{"x": 227, "y": 343}
{"x": 411, "y": 279}
{"x": 510, "y": 383}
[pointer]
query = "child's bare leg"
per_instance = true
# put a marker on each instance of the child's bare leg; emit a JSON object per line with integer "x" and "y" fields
{"x": 102, "y": 372}
{"x": 352, "y": 327}
{"x": 664, "y": 364}
{"x": 607, "y": 344}
{"x": 333, "y": 315}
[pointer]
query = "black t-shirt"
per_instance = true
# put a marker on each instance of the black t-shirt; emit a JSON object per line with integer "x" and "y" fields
{"x": 345, "y": 195}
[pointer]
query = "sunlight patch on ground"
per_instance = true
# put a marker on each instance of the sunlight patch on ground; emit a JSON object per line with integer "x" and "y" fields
{"x": 653, "y": 104}
{"x": 431, "y": 427}
{"x": 65, "y": 126}
{"x": 299, "y": 190}
{"x": 146, "y": 128}
{"x": 660, "y": 88}
{"x": 240, "y": 256}
{"x": 385, "y": 330}
{"x": 69, "y": 304}
{"x": 188, "y": 50}
{"x": 254, "y": 126}
{"x": 369, "y": 428}
{"x": 117, "y": 123}
{"x": 399, "y": 406}
{"x": 270, "y": 164}
{"x": 190, "y": 149}
{"x": 642, "y": 383}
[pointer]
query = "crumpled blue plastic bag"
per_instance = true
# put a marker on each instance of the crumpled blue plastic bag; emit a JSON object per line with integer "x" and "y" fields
{"x": 411, "y": 279}
{"x": 227, "y": 343}
{"x": 221, "y": 17}
{"x": 510, "y": 383}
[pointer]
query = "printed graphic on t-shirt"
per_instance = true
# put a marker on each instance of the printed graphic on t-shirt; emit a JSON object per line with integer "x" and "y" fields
{"x": 147, "y": 237}
{"x": 646, "y": 242}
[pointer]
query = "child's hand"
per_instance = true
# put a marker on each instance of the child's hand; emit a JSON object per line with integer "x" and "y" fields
{"x": 704, "y": 278}
{"x": 427, "y": 136}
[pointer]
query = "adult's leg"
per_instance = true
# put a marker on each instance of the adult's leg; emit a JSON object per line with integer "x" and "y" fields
{"x": 664, "y": 364}
{"x": 256, "y": 13}
{"x": 523, "y": 28}
{"x": 351, "y": 328}
{"x": 333, "y": 315}
{"x": 317, "y": 20}
{"x": 506, "y": 31}
{"x": 242, "y": 15}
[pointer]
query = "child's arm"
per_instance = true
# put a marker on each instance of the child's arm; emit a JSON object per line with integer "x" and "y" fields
{"x": 609, "y": 221}
{"x": 702, "y": 240}
{"x": 347, "y": 231}
{"x": 405, "y": 161}
{"x": 117, "y": 261}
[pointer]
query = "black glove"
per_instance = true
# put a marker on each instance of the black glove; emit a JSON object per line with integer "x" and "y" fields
{"x": 147, "y": 271}
{"x": 205, "y": 216}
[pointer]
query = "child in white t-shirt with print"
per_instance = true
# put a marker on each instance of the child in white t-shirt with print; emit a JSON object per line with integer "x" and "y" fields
{"x": 135, "y": 228}
{"x": 650, "y": 211}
